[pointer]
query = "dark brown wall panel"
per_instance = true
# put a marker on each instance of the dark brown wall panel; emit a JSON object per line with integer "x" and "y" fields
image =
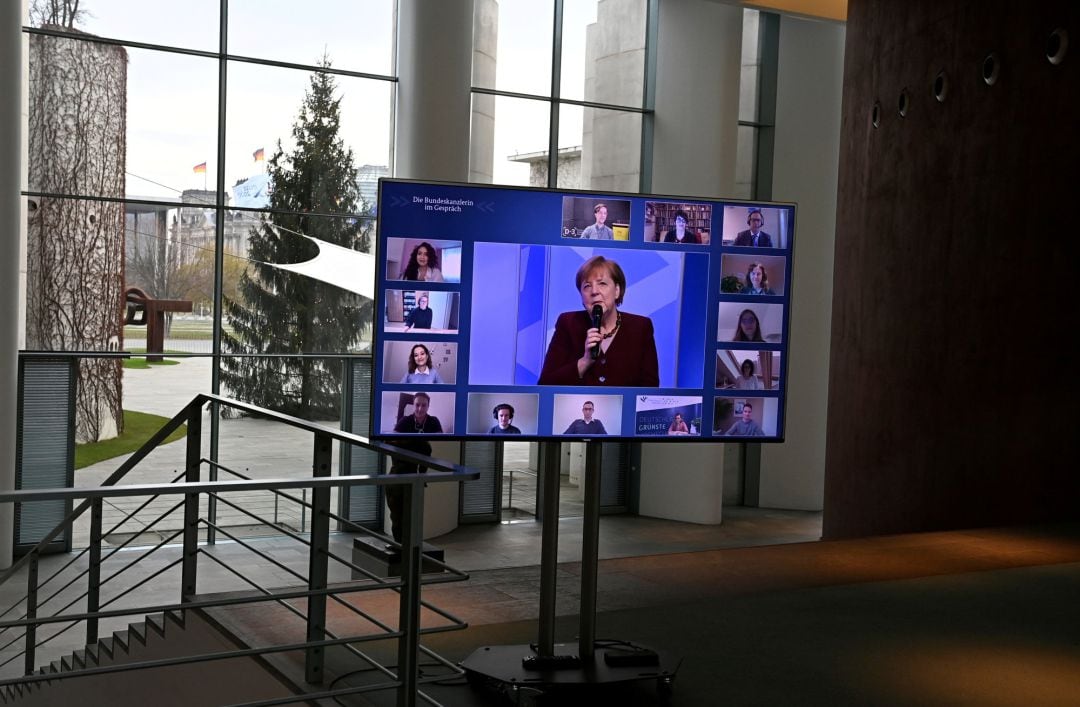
{"x": 952, "y": 391}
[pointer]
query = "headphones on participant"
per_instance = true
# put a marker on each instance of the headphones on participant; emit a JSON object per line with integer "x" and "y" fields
{"x": 751, "y": 212}
{"x": 500, "y": 406}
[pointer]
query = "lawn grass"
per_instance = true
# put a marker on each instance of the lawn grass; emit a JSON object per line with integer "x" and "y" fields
{"x": 186, "y": 329}
{"x": 142, "y": 363}
{"x": 138, "y": 427}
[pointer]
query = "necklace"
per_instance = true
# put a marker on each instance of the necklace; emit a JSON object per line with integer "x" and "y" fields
{"x": 618, "y": 323}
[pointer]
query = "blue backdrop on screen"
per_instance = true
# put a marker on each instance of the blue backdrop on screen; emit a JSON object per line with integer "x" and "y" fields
{"x": 657, "y": 422}
{"x": 518, "y": 275}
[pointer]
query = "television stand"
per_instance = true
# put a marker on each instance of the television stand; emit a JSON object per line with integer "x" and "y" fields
{"x": 549, "y": 666}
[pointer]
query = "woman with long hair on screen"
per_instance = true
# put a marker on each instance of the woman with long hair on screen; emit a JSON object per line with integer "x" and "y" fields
{"x": 748, "y": 328}
{"x": 757, "y": 281}
{"x": 423, "y": 265}
{"x": 747, "y": 380}
{"x": 420, "y": 368}
{"x": 598, "y": 344}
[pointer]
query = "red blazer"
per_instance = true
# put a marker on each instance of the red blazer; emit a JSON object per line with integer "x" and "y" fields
{"x": 629, "y": 361}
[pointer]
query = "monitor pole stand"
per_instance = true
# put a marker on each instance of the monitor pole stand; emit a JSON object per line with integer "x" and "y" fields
{"x": 550, "y": 666}
{"x": 590, "y": 552}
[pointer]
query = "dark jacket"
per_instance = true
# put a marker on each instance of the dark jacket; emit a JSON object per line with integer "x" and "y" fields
{"x": 746, "y": 239}
{"x": 419, "y": 318}
{"x": 629, "y": 361}
{"x": 688, "y": 237}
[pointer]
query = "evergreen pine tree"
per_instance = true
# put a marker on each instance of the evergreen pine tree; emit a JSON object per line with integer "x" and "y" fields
{"x": 285, "y": 313}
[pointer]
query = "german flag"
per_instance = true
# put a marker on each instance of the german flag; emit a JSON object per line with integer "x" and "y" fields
{"x": 199, "y": 168}
{"x": 259, "y": 155}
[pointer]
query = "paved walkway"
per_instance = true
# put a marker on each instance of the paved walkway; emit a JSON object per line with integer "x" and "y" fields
{"x": 252, "y": 447}
{"x": 256, "y": 448}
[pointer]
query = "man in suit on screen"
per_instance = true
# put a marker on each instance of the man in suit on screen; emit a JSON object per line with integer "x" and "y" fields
{"x": 754, "y": 237}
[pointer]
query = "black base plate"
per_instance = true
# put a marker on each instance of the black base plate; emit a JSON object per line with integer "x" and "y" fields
{"x": 503, "y": 664}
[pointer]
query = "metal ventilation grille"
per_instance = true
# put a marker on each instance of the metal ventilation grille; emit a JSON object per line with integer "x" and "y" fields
{"x": 614, "y": 466}
{"x": 360, "y": 504}
{"x": 480, "y": 498}
{"x": 45, "y": 452}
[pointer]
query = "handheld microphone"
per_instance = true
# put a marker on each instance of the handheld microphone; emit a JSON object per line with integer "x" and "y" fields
{"x": 597, "y": 315}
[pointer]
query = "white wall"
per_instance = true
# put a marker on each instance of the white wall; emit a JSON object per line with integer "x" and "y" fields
{"x": 682, "y": 483}
{"x": 805, "y": 166}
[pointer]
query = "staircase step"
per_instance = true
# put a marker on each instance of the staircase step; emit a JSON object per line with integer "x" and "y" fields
{"x": 56, "y": 667}
{"x": 44, "y": 671}
{"x": 79, "y": 658}
{"x": 177, "y": 617}
{"x": 137, "y": 632}
{"x": 156, "y": 622}
{"x": 67, "y": 664}
{"x": 105, "y": 648}
{"x": 121, "y": 641}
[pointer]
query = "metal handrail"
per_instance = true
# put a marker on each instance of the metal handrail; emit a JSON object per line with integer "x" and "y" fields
{"x": 174, "y": 424}
{"x": 75, "y": 558}
{"x": 185, "y": 488}
{"x": 83, "y": 574}
{"x": 298, "y": 536}
{"x": 317, "y": 592}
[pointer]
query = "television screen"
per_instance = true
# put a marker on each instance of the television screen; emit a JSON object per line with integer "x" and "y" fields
{"x": 542, "y": 313}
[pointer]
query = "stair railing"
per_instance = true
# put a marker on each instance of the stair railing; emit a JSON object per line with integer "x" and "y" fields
{"x": 191, "y": 488}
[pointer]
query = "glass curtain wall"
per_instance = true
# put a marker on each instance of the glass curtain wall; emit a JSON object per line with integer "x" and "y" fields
{"x": 559, "y": 100}
{"x": 559, "y": 93}
{"x": 757, "y": 105}
{"x": 193, "y": 159}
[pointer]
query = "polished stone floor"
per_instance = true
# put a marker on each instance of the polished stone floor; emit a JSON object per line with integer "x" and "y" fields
{"x": 472, "y": 548}
{"x": 978, "y": 617}
{"x": 755, "y": 610}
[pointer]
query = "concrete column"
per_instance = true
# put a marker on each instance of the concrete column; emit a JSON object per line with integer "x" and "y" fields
{"x": 697, "y": 119}
{"x": 482, "y": 140}
{"x": 698, "y": 65}
{"x": 806, "y": 153}
{"x": 434, "y": 63}
{"x": 11, "y": 75}
{"x": 431, "y": 141}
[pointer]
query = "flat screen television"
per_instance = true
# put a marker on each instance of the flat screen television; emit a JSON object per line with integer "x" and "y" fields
{"x": 534, "y": 314}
